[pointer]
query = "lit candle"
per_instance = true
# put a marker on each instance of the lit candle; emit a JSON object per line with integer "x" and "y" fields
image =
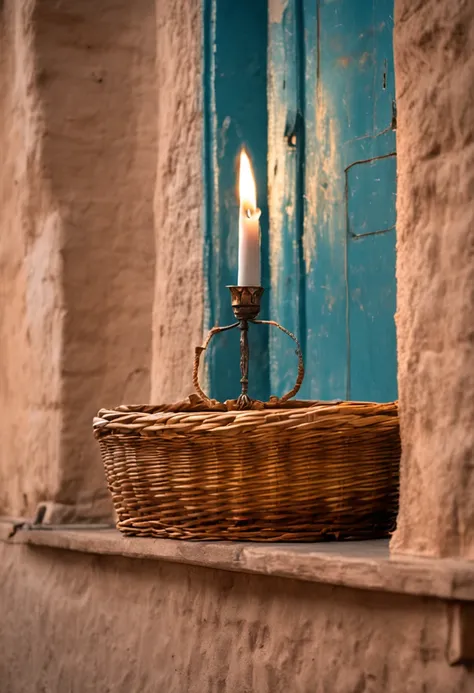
{"x": 249, "y": 226}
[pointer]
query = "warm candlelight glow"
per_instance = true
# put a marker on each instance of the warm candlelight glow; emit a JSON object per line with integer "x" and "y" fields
{"x": 247, "y": 188}
{"x": 249, "y": 226}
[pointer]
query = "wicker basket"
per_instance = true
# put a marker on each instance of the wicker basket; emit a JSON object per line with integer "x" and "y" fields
{"x": 281, "y": 471}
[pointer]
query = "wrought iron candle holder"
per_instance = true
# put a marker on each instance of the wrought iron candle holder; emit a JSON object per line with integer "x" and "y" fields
{"x": 246, "y": 307}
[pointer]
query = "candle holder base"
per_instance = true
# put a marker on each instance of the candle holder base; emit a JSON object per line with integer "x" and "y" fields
{"x": 246, "y": 307}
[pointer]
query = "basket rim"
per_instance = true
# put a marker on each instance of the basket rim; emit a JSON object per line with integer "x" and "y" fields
{"x": 193, "y": 415}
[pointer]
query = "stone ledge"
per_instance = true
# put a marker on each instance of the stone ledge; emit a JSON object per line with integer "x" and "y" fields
{"x": 360, "y": 565}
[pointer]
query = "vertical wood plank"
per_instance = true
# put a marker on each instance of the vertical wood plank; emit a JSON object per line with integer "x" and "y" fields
{"x": 285, "y": 159}
{"x": 325, "y": 242}
{"x": 349, "y": 114}
{"x": 235, "y": 115}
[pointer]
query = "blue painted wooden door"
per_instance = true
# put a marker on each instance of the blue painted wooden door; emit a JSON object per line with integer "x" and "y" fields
{"x": 332, "y": 189}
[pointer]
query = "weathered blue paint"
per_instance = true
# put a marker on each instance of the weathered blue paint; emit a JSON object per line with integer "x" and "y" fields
{"x": 371, "y": 278}
{"x": 332, "y": 182}
{"x": 346, "y": 104}
{"x": 372, "y": 346}
{"x": 286, "y": 158}
{"x": 235, "y": 114}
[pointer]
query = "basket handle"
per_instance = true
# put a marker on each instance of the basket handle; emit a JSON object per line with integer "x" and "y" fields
{"x": 299, "y": 354}
{"x": 215, "y": 330}
{"x": 197, "y": 357}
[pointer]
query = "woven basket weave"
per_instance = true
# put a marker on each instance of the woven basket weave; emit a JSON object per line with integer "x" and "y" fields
{"x": 281, "y": 471}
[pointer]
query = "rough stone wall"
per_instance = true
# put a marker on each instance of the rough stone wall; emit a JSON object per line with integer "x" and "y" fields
{"x": 434, "y": 63}
{"x": 31, "y": 297}
{"x": 76, "y": 623}
{"x": 77, "y": 247}
{"x": 178, "y": 307}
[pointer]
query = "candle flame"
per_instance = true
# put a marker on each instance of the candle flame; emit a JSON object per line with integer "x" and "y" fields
{"x": 247, "y": 187}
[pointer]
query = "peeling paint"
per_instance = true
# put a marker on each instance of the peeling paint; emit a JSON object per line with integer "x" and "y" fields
{"x": 223, "y": 136}
{"x": 346, "y": 110}
{"x": 323, "y": 190}
{"x": 276, "y": 8}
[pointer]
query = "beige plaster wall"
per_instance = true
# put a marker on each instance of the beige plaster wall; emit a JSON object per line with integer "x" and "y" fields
{"x": 77, "y": 247}
{"x": 75, "y": 623}
{"x": 434, "y": 62}
{"x": 96, "y": 62}
{"x": 31, "y": 294}
{"x": 178, "y": 306}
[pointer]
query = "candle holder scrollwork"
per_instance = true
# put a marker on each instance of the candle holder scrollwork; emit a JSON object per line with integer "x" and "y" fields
{"x": 246, "y": 307}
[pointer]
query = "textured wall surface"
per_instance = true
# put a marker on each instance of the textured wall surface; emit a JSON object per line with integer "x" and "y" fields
{"x": 435, "y": 272}
{"x": 96, "y": 63}
{"x": 31, "y": 300}
{"x": 88, "y": 624}
{"x": 77, "y": 253}
{"x": 178, "y": 307}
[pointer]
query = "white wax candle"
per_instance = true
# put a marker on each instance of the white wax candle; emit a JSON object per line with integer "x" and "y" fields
{"x": 249, "y": 227}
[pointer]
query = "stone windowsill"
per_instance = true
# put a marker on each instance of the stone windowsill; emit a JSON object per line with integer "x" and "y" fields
{"x": 360, "y": 565}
